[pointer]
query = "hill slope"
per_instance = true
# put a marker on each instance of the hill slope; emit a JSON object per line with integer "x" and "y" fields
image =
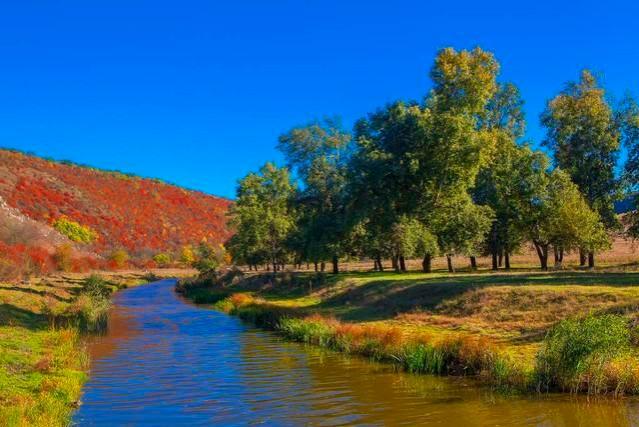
{"x": 142, "y": 215}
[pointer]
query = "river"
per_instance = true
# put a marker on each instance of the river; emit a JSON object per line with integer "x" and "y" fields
{"x": 167, "y": 362}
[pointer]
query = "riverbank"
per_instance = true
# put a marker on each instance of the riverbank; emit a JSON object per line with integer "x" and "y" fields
{"x": 43, "y": 363}
{"x": 567, "y": 331}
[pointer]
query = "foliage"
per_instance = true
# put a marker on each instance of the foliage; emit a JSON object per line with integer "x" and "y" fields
{"x": 263, "y": 216}
{"x": 318, "y": 154}
{"x": 75, "y": 231}
{"x": 126, "y": 212}
{"x": 585, "y": 137}
{"x": 187, "y": 255}
{"x": 410, "y": 238}
{"x": 209, "y": 257}
{"x": 162, "y": 259}
{"x": 119, "y": 258}
{"x": 559, "y": 215}
{"x": 63, "y": 257}
{"x": 574, "y": 347}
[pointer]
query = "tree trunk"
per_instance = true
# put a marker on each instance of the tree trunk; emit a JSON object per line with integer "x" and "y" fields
{"x": 449, "y": 261}
{"x": 542, "y": 253}
{"x": 335, "y": 264}
{"x": 402, "y": 264}
{"x": 323, "y": 266}
{"x": 315, "y": 266}
{"x": 582, "y": 258}
{"x": 426, "y": 263}
{"x": 379, "y": 263}
{"x": 557, "y": 257}
{"x": 591, "y": 260}
{"x": 501, "y": 258}
{"x": 495, "y": 265}
{"x": 507, "y": 260}
{"x": 473, "y": 263}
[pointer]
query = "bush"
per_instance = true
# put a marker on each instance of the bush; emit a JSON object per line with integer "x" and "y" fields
{"x": 92, "y": 305}
{"x": 75, "y": 231}
{"x": 576, "y": 352}
{"x": 209, "y": 257}
{"x": 63, "y": 257}
{"x": 162, "y": 259}
{"x": 187, "y": 255}
{"x": 96, "y": 287}
{"x": 119, "y": 258}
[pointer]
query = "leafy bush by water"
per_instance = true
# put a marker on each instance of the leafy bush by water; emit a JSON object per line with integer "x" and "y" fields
{"x": 588, "y": 354}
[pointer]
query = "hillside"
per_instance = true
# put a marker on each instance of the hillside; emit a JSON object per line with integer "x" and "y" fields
{"x": 143, "y": 216}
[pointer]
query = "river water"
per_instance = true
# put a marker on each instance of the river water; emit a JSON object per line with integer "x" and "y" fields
{"x": 167, "y": 362}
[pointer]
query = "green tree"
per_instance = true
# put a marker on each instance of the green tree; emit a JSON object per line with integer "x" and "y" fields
{"x": 559, "y": 215}
{"x": 461, "y": 228}
{"x": 500, "y": 183}
{"x": 318, "y": 153}
{"x": 263, "y": 216}
{"x": 409, "y": 238}
{"x": 628, "y": 117}
{"x": 413, "y": 159}
{"x": 209, "y": 257}
{"x": 584, "y": 135}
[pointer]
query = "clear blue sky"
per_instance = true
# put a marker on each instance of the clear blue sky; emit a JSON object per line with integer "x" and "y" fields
{"x": 196, "y": 92}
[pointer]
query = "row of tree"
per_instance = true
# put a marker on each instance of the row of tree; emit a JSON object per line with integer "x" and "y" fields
{"x": 447, "y": 176}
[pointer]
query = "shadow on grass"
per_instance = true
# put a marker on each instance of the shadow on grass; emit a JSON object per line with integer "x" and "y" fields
{"x": 11, "y": 315}
{"x": 388, "y": 296}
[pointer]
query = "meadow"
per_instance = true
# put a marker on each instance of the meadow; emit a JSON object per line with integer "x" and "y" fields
{"x": 570, "y": 330}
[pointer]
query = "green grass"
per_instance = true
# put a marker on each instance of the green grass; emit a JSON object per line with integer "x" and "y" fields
{"x": 43, "y": 361}
{"x": 493, "y": 326}
{"x": 41, "y": 375}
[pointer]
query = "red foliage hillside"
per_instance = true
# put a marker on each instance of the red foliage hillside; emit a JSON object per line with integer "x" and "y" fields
{"x": 139, "y": 214}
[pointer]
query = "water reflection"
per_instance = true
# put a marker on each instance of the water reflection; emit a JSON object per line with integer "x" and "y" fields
{"x": 167, "y": 362}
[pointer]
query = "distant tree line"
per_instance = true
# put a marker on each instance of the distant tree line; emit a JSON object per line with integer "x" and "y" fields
{"x": 450, "y": 175}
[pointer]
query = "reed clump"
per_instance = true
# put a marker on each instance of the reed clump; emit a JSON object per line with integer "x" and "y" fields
{"x": 594, "y": 355}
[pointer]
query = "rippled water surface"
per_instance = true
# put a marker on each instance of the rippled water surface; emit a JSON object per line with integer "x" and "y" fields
{"x": 166, "y": 362}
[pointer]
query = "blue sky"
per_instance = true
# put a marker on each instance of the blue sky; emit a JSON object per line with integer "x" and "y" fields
{"x": 196, "y": 92}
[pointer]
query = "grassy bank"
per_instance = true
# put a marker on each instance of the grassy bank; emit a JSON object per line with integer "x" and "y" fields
{"x": 43, "y": 362}
{"x": 569, "y": 331}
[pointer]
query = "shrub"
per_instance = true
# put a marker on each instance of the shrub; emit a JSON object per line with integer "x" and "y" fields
{"x": 63, "y": 257}
{"x": 119, "y": 258}
{"x": 96, "y": 287}
{"x": 577, "y": 352}
{"x": 162, "y": 259}
{"x": 187, "y": 255}
{"x": 92, "y": 305}
{"x": 75, "y": 231}
{"x": 209, "y": 257}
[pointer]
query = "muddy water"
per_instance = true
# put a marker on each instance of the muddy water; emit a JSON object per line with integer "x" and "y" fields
{"x": 166, "y": 362}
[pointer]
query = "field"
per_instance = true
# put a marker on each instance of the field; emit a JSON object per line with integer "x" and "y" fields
{"x": 43, "y": 363}
{"x": 507, "y": 314}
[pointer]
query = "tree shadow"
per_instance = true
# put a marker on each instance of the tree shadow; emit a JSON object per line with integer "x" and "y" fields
{"x": 386, "y": 298}
{"x": 43, "y": 293}
{"x": 11, "y": 315}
